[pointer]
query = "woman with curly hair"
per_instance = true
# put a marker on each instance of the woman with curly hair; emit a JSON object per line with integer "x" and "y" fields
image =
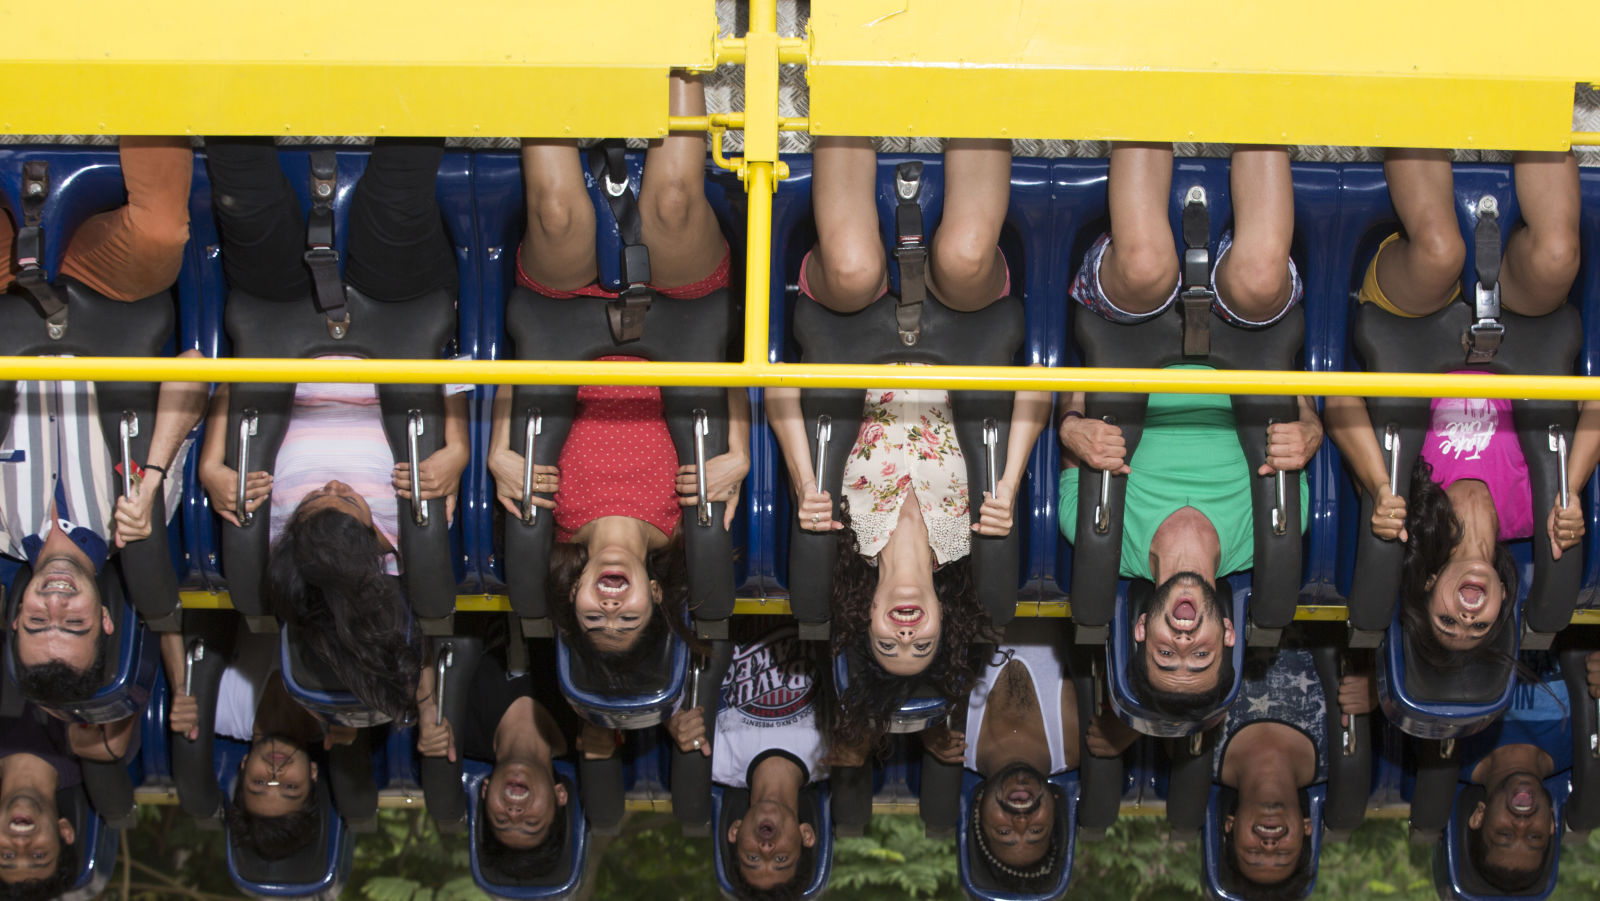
{"x": 903, "y": 600}
{"x": 1470, "y": 495}
{"x": 617, "y": 485}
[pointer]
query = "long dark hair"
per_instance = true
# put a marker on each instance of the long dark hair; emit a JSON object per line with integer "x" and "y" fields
{"x": 866, "y": 706}
{"x": 1433, "y": 531}
{"x": 624, "y": 672}
{"x": 325, "y": 578}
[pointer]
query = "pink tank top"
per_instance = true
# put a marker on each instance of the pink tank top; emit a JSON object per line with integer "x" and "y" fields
{"x": 1477, "y": 439}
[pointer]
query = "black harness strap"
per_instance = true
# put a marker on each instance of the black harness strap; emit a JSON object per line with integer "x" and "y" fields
{"x": 1196, "y": 296}
{"x": 609, "y": 163}
{"x": 910, "y": 251}
{"x": 320, "y": 256}
{"x": 1481, "y": 341}
{"x": 30, "y": 249}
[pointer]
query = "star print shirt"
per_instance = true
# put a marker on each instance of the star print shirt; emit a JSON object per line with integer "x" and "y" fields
{"x": 1279, "y": 686}
{"x": 1477, "y": 439}
{"x": 908, "y": 442}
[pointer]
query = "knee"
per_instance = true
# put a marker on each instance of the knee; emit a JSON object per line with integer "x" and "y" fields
{"x": 674, "y": 205}
{"x": 1437, "y": 251}
{"x": 850, "y": 274}
{"x": 559, "y": 216}
{"x": 1257, "y": 284}
{"x": 1145, "y": 271}
{"x": 1553, "y": 255}
{"x": 964, "y": 256}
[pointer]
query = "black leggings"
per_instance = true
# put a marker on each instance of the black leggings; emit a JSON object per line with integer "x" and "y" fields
{"x": 396, "y": 248}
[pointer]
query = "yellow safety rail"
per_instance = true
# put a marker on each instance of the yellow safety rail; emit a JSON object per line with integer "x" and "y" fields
{"x": 1246, "y": 70}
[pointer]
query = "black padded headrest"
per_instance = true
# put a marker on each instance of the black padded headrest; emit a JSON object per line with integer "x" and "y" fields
{"x": 988, "y": 337}
{"x": 97, "y": 326}
{"x": 1479, "y": 682}
{"x": 416, "y": 329}
{"x": 548, "y": 328}
{"x": 307, "y": 866}
{"x": 1543, "y": 345}
{"x": 1157, "y": 343}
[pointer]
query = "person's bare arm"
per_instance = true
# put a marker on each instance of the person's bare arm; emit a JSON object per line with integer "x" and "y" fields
{"x": 1090, "y": 442}
{"x": 505, "y": 464}
{"x": 725, "y": 472}
{"x": 178, "y": 410}
{"x": 1291, "y": 445}
{"x": 184, "y": 715}
{"x": 1030, "y": 410}
{"x": 813, "y": 506}
{"x": 220, "y": 480}
{"x": 1351, "y": 430}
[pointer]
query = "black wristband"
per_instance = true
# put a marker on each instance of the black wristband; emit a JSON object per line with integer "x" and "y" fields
{"x": 160, "y": 469}
{"x": 1072, "y": 414}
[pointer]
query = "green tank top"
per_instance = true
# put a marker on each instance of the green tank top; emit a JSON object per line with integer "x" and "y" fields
{"x": 1188, "y": 456}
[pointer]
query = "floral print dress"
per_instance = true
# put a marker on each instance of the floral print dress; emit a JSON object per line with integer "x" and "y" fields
{"x": 908, "y": 441}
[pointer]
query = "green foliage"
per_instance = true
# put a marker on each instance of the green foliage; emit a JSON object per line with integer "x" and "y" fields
{"x": 894, "y": 857}
{"x": 1137, "y": 861}
{"x": 652, "y": 861}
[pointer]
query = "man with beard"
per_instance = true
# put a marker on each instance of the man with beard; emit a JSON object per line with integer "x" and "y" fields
{"x": 1187, "y": 520}
{"x": 1273, "y": 745}
{"x": 523, "y": 804}
{"x": 1512, "y": 833}
{"x": 769, "y": 740}
{"x": 37, "y": 859}
{"x": 1022, "y": 718}
{"x": 274, "y": 811}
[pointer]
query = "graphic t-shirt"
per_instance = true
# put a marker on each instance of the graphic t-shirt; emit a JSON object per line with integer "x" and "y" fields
{"x": 1540, "y": 714}
{"x": 1477, "y": 439}
{"x": 769, "y": 703}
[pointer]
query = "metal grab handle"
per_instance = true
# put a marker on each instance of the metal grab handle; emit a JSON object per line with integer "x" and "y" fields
{"x": 691, "y": 685}
{"x": 702, "y": 429}
{"x": 1280, "y": 479}
{"x": 535, "y": 428}
{"x": 824, "y": 435}
{"x": 991, "y": 442}
{"x": 1196, "y": 742}
{"x": 195, "y": 654}
{"x": 1558, "y": 446}
{"x": 247, "y": 429}
{"x": 1447, "y": 747}
{"x": 1391, "y": 443}
{"x": 1102, "y": 510}
{"x": 441, "y": 665}
{"x": 1098, "y": 689}
{"x": 414, "y": 430}
{"x": 129, "y": 430}
{"x": 1594, "y": 737}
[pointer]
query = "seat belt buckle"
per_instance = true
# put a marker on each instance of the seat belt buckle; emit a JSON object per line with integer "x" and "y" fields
{"x": 30, "y": 247}
{"x": 627, "y": 312}
{"x": 912, "y": 255}
{"x": 1482, "y": 340}
{"x": 328, "y": 288}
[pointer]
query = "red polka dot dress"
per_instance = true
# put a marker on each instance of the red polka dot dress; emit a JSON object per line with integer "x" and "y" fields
{"x": 618, "y": 460}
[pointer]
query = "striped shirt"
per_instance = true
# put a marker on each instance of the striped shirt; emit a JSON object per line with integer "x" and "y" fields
{"x": 336, "y": 432}
{"x": 56, "y": 438}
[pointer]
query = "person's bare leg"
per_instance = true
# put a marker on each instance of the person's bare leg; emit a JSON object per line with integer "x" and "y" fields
{"x": 1419, "y": 272}
{"x": 847, "y": 269}
{"x": 558, "y": 247}
{"x": 966, "y": 270}
{"x": 136, "y": 250}
{"x": 1541, "y": 258}
{"x": 1140, "y": 268}
{"x": 1253, "y": 277}
{"x": 676, "y": 221}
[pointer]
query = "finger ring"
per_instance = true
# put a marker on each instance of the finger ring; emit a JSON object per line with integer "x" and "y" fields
{"x": 816, "y": 518}
{"x": 697, "y": 744}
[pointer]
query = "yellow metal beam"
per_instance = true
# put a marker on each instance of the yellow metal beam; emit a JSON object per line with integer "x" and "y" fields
{"x": 482, "y": 68}
{"x": 1243, "y": 71}
{"x": 756, "y": 371}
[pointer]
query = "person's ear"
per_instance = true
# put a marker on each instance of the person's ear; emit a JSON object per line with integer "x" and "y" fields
{"x": 1476, "y": 820}
{"x": 808, "y": 836}
{"x": 655, "y": 592}
{"x": 68, "y": 834}
{"x": 1138, "y": 627}
{"x": 733, "y": 831}
{"x": 1227, "y": 632}
{"x": 313, "y": 771}
{"x": 1227, "y": 824}
{"x": 561, "y": 795}
{"x": 1308, "y": 827}
{"x": 483, "y": 789}
{"x": 105, "y": 619}
{"x": 1428, "y": 586}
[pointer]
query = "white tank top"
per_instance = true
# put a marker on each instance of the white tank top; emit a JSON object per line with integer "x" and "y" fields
{"x": 1049, "y": 677}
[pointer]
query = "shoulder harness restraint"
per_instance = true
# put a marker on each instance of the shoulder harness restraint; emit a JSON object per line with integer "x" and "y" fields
{"x": 910, "y": 251}
{"x": 320, "y": 256}
{"x": 609, "y": 163}
{"x": 1481, "y": 341}
{"x": 1196, "y": 297}
{"x": 30, "y": 249}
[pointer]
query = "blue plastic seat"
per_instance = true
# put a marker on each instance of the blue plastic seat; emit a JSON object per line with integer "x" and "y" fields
{"x": 1120, "y": 653}
{"x": 639, "y": 711}
{"x": 724, "y": 800}
{"x": 319, "y": 871}
{"x": 1454, "y": 875}
{"x": 978, "y": 885}
{"x": 1211, "y": 843}
{"x": 564, "y": 881}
